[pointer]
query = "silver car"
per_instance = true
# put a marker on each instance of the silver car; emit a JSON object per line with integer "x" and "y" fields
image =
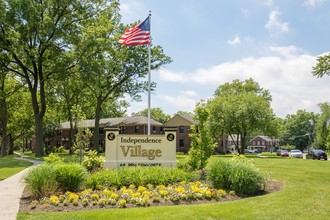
{"x": 296, "y": 154}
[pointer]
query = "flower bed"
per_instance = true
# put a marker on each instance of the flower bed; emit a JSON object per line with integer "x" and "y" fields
{"x": 131, "y": 196}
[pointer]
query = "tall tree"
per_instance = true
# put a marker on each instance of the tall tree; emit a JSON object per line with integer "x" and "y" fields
{"x": 299, "y": 129}
{"x": 35, "y": 38}
{"x": 323, "y": 66}
{"x": 111, "y": 69}
{"x": 240, "y": 108}
{"x": 156, "y": 114}
{"x": 323, "y": 127}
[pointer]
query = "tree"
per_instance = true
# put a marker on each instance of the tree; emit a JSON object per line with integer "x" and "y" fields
{"x": 323, "y": 127}
{"x": 202, "y": 145}
{"x": 299, "y": 129}
{"x": 156, "y": 114}
{"x": 185, "y": 113}
{"x": 111, "y": 70}
{"x": 323, "y": 66}
{"x": 240, "y": 108}
{"x": 36, "y": 38}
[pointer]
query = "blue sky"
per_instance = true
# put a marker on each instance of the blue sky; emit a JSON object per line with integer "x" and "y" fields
{"x": 213, "y": 42}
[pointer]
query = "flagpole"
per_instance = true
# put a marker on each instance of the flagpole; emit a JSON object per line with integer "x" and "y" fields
{"x": 149, "y": 75}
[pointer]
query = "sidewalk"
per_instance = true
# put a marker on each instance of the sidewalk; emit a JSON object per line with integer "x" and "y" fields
{"x": 11, "y": 190}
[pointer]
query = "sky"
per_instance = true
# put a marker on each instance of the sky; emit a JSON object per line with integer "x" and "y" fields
{"x": 212, "y": 42}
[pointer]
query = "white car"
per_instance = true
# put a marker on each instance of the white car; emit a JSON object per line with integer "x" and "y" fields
{"x": 296, "y": 154}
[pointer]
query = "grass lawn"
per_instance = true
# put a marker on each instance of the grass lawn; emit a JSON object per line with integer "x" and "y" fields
{"x": 10, "y": 166}
{"x": 306, "y": 196}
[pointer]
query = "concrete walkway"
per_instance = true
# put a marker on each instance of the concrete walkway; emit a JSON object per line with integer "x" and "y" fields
{"x": 11, "y": 190}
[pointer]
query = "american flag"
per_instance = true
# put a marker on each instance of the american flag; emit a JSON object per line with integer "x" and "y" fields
{"x": 138, "y": 35}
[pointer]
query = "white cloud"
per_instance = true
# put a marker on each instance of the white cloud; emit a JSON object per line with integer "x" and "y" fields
{"x": 236, "y": 40}
{"x": 166, "y": 75}
{"x": 182, "y": 101}
{"x": 245, "y": 11}
{"x": 274, "y": 25}
{"x": 287, "y": 75}
{"x": 313, "y": 3}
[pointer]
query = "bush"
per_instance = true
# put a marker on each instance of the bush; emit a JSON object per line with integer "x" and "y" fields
{"x": 45, "y": 180}
{"x": 238, "y": 174}
{"x": 69, "y": 176}
{"x": 41, "y": 180}
{"x": 53, "y": 159}
{"x": 137, "y": 176}
{"x": 93, "y": 162}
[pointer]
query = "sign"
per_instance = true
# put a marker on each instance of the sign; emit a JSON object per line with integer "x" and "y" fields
{"x": 123, "y": 150}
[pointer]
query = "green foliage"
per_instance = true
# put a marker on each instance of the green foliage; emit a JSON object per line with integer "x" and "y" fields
{"x": 69, "y": 176}
{"x": 92, "y": 162}
{"x": 138, "y": 176}
{"x": 299, "y": 129}
{"x": 288, "y": 147}
{"x": 323, "y": 66}
{"x": 240, "y": 108}
{"x": 238, "y": 174}
{"x": 202, "y": 145}
{"x": 46, "y": 179}
{"x": 41, "y": 180}
{"x": 323, "y": 127}
{"x": 156, "y": 114}
{"x": 53, "y": 159}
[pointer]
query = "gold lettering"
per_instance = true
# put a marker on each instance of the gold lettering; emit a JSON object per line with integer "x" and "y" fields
{"x": 125, "y": 152}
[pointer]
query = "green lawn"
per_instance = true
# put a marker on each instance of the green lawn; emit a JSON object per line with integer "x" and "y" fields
{"x": 306, "y": 196}
{"x": 10, "y": 166}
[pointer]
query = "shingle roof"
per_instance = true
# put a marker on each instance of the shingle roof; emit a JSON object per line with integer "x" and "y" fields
{"x": 107, "y": 122}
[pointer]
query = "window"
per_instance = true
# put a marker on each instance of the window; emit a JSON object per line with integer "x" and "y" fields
{"x": 258, "y": 143}
{"x": 161, "y": 129}
{"x": 101, "y": 143}
{"x": 181, "y": 129}
{"x": 58, "y": 143}
{"x": 101, "y": 130}
{"x": 253, "y": 142}
{"x": 263, "y": 143}
{"x": 122, "y": 130}
{"x": 181, "y": 143}
{"x": 153, "y": 129}
{"x": 59, "y": 132}
{"x": 137, "y": 129}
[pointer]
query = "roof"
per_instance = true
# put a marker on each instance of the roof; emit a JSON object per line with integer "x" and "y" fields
{"x": 180, "y": 120}
{"x": 107, "y": 122}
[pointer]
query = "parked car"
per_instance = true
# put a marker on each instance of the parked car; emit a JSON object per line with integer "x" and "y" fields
{"x": 283, "y": 153}
{"x": 256, "y": 151}
{"x": 247, "y": 151}
{"x": 319, "y": 154}
{"x": 296, "y": 154}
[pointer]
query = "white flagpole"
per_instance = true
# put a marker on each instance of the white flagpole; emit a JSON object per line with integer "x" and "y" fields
{"x": 149, "y": 75}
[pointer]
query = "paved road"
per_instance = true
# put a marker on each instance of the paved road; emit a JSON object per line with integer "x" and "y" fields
{"x": 11, "y": 190}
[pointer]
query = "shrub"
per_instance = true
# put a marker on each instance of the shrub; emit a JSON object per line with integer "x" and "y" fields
{"x": 69, "y": 176}
{"x": 92, "y": 161}
{"x": 238, "y": 174}
{"x": 53, "y": 159}
{"x": 41, "y": 180}
{"x": 137, "y": 176}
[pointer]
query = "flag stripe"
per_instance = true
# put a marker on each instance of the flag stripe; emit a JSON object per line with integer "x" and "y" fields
{"x": 138, "y": 35}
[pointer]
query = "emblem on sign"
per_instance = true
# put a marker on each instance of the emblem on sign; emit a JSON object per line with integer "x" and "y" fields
{"x": 170, "y": 137}
{"x": 111, "y": 136}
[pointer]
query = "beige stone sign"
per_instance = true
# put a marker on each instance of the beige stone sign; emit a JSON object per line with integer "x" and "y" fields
{"x": 123, "y": 150}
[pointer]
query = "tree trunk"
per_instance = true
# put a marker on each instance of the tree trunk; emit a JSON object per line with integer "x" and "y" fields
{"x": 97, "y": 124}
{"x": 11, "y": 145}
{"x": 3, "y": 128}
